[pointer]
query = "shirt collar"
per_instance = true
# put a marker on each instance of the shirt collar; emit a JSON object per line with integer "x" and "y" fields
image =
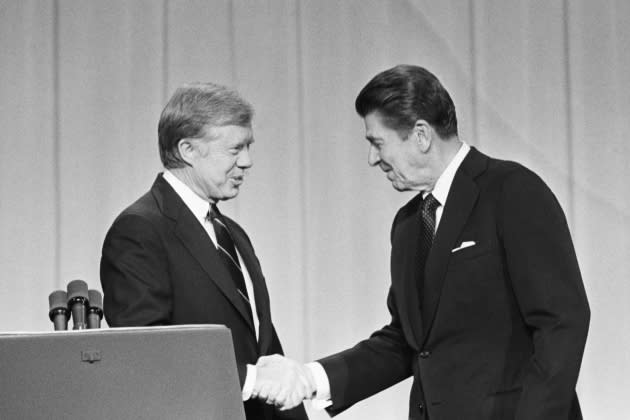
{"x": 197, "y": 205}
{"x": 443, "y": 184}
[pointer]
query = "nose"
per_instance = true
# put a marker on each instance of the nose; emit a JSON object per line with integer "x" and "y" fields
{"x": 373, "y": 156}
{"x": 244, "y": 159}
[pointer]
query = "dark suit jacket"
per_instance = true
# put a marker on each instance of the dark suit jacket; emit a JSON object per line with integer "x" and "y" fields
{"x": 500, "y": 329}
{"x": 159, "y": 267}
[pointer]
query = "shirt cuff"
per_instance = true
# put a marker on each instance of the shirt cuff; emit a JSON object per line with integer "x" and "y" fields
{"x": 250, "y": 381}
{"x": 322, "y": 396}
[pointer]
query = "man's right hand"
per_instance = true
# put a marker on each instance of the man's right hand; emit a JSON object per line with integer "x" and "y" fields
{"x": 282, "y": 382}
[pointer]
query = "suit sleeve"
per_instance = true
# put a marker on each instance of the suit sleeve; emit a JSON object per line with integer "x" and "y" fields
{"x": 546, "y": 280}
{"x": 375, "y": 364}
{"x": 371, "y": 366}
{"x": 135, "y": 275}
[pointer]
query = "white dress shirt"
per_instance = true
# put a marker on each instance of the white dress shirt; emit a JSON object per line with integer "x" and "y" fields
{"x": 440, "y": 192}
{"x": 444, "y": 182}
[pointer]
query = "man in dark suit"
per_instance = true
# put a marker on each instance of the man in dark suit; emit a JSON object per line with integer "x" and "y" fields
{"x": 172, "y": 258}
{"x": 488, "y": 309}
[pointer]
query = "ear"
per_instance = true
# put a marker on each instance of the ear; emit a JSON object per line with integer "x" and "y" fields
{"x": 423, "y": 134}
{"x": 188, "y": 150}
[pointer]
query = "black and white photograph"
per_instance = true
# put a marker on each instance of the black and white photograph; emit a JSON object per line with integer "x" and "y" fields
{"x": 314, "y": 209}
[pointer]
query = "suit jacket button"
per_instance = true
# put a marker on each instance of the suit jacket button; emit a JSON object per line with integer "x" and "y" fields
{"x": 425, "y": 353}
{"x": 421, "y": 408}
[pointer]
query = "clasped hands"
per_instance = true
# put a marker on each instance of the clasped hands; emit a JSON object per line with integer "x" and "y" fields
{"x": 283, "y": 382}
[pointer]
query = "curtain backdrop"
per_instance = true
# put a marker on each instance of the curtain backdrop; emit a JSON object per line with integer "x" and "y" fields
{"x": 82, "y": 84}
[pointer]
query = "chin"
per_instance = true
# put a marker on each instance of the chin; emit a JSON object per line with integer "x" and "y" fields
{"x": 399, "y": 187}
{"x": 231, "y": 194}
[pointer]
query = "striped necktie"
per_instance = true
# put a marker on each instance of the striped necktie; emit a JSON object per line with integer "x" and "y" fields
{"x": 227, "y": 250}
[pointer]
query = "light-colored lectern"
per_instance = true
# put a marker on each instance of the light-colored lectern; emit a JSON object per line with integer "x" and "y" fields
{"x": 182, "y": 372}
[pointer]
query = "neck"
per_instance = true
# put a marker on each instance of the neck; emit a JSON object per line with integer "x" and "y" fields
{"x": 444, "y": 151}
{"x": 188, "y": 178}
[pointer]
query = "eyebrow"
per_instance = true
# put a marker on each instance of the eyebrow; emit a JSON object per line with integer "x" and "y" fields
{"x": 248, "y": 139}
{"x": 245, "y": 142}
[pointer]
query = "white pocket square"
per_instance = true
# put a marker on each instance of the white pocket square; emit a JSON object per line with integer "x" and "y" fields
{"x": 465, "y": 244}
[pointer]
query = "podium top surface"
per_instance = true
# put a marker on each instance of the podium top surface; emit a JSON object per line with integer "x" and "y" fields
{"x": 117, "y": 330}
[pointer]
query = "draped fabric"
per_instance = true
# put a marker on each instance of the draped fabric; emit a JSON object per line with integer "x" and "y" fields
{"x": 541, "y": 82}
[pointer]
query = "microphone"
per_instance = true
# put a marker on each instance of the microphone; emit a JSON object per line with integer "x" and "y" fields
{"x": 78, "y": 303}
{"x": 95, "y": 313}
{"x": 58, "y": 309}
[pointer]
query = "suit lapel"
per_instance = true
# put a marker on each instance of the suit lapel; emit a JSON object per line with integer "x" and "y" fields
{"x": 405, "y": 258}
{"x": 459, "y": 204}
{"x": 195, "y": 239}
{"x": 261, "y": 295}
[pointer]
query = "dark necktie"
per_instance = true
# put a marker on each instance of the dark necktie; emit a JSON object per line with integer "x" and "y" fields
{"x": 427, "y": 232}
{"x": 227, "y": 250}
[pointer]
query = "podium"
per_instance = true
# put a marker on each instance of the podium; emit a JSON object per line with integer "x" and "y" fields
{"x": 178, "y": 372}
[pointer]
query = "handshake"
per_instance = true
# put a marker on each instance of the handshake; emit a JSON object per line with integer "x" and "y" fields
{"x": 283, "y": 382}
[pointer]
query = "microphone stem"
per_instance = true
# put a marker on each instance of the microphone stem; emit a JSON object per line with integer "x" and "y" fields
{"x": 79, "y": 313}
{"x": 59, "y": 317}
{"x": 94, "y": 318}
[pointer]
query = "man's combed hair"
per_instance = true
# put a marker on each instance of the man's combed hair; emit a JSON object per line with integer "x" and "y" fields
{"x": 405, "y": 94}
{"x": 193, "y": 107}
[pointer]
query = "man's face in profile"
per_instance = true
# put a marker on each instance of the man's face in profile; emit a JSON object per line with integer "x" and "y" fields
{"x": 399, "y": 157}
{"x": 221, "y": 162}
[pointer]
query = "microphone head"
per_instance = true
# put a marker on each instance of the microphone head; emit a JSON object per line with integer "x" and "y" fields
{"x": 77, "y": 289}
{"x": 96, "y": 299}
{"x": 58, "y": 300}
